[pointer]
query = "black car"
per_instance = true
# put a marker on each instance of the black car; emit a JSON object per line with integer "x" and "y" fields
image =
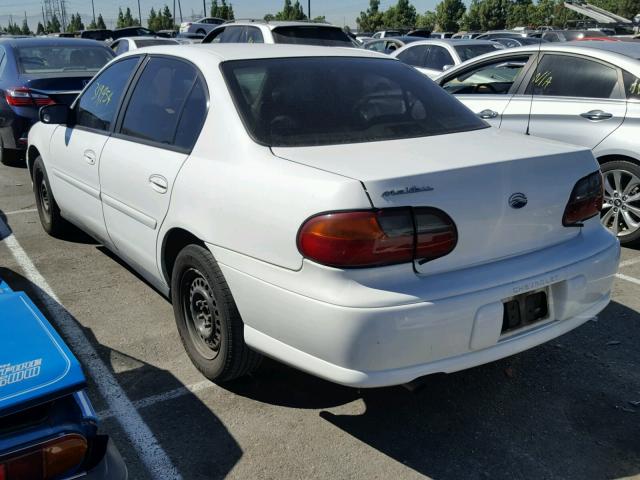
{"x": 136, "y": 32}
{"x": 41, "y": 71}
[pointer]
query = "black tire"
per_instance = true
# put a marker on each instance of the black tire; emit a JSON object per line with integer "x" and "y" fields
{"x": 48, "y": 210}
{"x": 8, "y": 157}
{"x": 207, "y": 318}
{"x": 200, "y": 32}
{"x": 629, "y": 171}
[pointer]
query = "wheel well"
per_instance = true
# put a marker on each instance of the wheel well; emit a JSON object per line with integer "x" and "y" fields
{"x": 174, "y": 241}
{"x": 613, "y": 158}
{"x": 32, "y": 154}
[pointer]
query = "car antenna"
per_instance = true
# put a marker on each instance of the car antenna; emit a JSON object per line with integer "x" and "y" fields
{"x": 535, "y": 72}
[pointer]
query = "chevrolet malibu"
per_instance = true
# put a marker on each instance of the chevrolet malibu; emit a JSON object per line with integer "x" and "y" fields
{"x": 331, "y": 208}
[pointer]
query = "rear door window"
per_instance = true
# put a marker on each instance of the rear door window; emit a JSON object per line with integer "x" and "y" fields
{"x": 416, "y": 56}
{"x": 96, "y": 109}
{"x": 254, "y": 35}
{"x": 438, "y": 57}
{"x": 232, "y": 35}
{"x": 122, "y": 47}
{"x": 159, "y": 97}
{"x": 569, "y": 76}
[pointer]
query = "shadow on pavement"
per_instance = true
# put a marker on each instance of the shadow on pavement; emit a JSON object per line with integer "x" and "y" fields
{"x": 178, "y": 426}
{"x": 562, "y": 410}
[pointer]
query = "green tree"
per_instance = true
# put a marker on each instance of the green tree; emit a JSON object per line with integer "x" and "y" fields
{"x": 40, "y": 29}
{"x": 53, "y": 26}
{"x": 215, "y": 9}
{"x": 120, "y": 20}
{"x": 372, "y": 19}
{"x": 320, "y": 19}
{"x": 100, "y": 23}
{"x": 152, "y": 20}
{"x": 471, "y": 20}
{"x": 290, "y": 11}
{"x": 167, "y": 19}
{"x": 129, "y": 20}
{"x": 400, "y": 15}
{"x": 449, "y": 15}
{"x": 428, "y": 20}
{"x": 25, "y": 28}
{"x": 521, "y": 13}
{"x": 75, "y": 24}
{"x": 269, "y": 17}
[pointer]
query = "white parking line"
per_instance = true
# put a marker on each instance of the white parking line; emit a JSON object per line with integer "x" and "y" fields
{"x": 631, "y": 261}
{"x": 24, "y": 210}
{"x": 147, "y": 447}
{"x": 163, "y": 397}
{"x": 628, "y": 278}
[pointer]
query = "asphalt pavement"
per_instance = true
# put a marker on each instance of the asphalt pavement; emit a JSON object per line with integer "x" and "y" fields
{"x": 569, "y": 409}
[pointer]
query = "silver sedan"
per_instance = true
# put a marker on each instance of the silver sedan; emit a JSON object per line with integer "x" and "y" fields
{"x": 584, "y": 93}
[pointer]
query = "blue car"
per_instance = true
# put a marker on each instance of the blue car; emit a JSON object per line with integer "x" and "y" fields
{"x": 48, "y": 428}
{"x": 41, "y": 71}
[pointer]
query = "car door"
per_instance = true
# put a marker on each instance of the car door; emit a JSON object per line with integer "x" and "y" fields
{"x": 74, "y": 157}
{"x": 576, "y": 99}
{"x": 487, "y": 87}
{"x": 161, "y": 119}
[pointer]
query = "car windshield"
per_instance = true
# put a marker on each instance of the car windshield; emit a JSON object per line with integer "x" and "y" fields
{"x": 55, "y": 59}
{"x": 312, "y": 35}
{"x": 465, "y": 52}
{"x": 336, "y": 100}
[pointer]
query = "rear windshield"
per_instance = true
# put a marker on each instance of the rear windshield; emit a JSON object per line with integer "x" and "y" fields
{"x": 465, "y": 52}
{"x": 51, "y": 59}
{"x": 312, "y": 35}
{"x": 335, "y": 100}
{"x": 151, "y": 43}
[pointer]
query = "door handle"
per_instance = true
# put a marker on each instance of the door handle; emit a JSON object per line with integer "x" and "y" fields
{"x": 158, "y": 183}
{"x": 596, "y": 115}
{"x": 487, "y": 114}
{"x": 89, "y": 157}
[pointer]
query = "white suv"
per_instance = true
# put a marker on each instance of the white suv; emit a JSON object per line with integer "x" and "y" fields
{"x": 259, "y": 31}
{"x": 329, "y": 207}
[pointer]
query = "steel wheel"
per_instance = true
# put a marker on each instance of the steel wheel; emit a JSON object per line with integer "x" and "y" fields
{"x": 200, "y": 310}
{"x": 43, "y": 195}
{"x": 621, "y": 208}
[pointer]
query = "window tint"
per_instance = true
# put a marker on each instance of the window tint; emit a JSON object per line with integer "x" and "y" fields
{"x": 376, "y": 46}
{"x": 254, "y": 35}
{"x": 231, "y": 35}
{"x": 312, "y": 35}
{"x": 192, "y": 117}
{"x": 157, "y": 100}
{"x": 438, "y": 57}
{"x": 415, "y": 56}
{"x": 465, "y": 52}
{"x": 98, "y": 104}
{"x": 123, "y": 46}
{"x": 214, "y": 36}
{"x": 336, "y": 100}
{"x": 55, "y": 59}
{"x": 560, "y": 75}
{"x": 496, "y": 77}
{"x": 154, "y": 42}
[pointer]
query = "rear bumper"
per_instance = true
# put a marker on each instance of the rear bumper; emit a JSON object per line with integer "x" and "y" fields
{"x": 15, "y": 130}
{"x": 371, "y": 346}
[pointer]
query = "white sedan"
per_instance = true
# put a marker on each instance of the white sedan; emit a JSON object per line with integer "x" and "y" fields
{"x": 432, "y": 57}
{"x": 330, "y": 208}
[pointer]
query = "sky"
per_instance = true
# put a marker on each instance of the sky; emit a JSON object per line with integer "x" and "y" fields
{"x": 339, "y": 12}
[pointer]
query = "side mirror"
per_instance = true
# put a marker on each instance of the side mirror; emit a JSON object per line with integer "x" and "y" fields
{"x": 446, "y": 67}
{"x": 56, "y": 115}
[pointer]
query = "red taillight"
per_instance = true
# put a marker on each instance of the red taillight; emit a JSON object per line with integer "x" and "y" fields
{"x": 585, "y": 200}
{"x": 48, "y": 460}
{"x": 370, "y": 238}
{"x": 24, "y": 97}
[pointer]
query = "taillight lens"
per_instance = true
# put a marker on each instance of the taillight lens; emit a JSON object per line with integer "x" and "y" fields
{"x": 585, "y": 200}
{"x": 45, "y": 461}
{"x": 370, "y": 238}
{"x": 24, "y": 97}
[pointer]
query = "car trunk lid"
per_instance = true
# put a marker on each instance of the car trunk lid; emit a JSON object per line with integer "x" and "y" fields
{"x": 480, "y": 179}
{"x": 61, "y": 88}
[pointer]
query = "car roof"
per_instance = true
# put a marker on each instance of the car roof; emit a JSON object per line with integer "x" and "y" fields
{"x": 402, "y": 38}
{"x": 628, "y": 49}
{"x": 50, "y": 41}
{"x": 277, "y": 23}
{"x": 146, "y": 37}
{"x": 246, "y": 51}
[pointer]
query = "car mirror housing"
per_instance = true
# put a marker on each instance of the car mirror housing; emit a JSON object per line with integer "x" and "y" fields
{"x": 56, "y": 114}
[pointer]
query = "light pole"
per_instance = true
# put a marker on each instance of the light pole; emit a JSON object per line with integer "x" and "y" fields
{"x": 309, "y": 9}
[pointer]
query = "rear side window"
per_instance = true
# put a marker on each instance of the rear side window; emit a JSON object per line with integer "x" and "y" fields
{"x": 465, "y": 52}
{"x": 231, "y": 35}
{"x": 55, "y": 59}
{"x": 415, "y": 56}
{"x": 567, "y": 76}
{"x": 254, "y": 35}
{"x": 97, "y": 106}
{"x": 312, "y": 35}
{"x": 337, "y": 100}
{"x": 158, "y": 100}
{"x": 122, "y": 47}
